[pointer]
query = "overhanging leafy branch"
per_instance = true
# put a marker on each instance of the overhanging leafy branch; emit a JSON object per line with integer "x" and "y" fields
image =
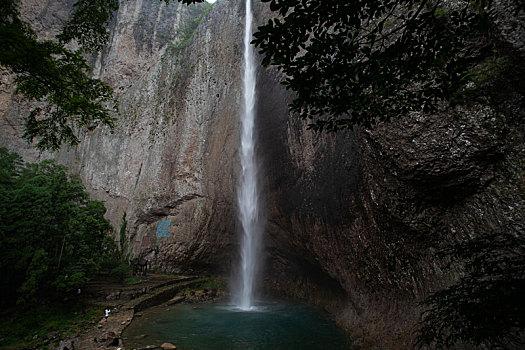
{"x": 355, "y": 62}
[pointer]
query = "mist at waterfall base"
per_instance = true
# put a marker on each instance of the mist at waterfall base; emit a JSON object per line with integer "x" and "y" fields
{"x": 275, "y": 325}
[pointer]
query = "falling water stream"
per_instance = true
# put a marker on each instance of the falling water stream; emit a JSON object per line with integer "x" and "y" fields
{"x": 243, "y": 324}
{"x": 248, "y": 187}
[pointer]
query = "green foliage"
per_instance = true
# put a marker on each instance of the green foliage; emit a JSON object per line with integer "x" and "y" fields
{"x": 48, "y": 72}
{"x": 56, "y": 77}
{"x": 485, "y": 307}
{"x": 198, "y": 14}
{"x": 487, "y": 71}
{"x": 354, "y": 62}
{"x": 121, "y": 271}
{"x": 216, "y": 282}
{"x": 132, "y": 280}
{"x": 17, "y": 330}
{"x": 87, "y": 25}
{"x": 211, "y": 282}
{"x": 479, "y": 79}
{"x": 441, "y": 12}
{"x": 52, "y": 237}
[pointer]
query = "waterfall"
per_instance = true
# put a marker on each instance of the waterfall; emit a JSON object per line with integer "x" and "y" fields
{"x": 248, "y": 187}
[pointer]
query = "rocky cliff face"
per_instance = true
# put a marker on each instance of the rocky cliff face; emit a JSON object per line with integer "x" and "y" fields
{"x": 353, "y": 219}
{"x": 363, "y": 242}
{"x": 46, "y": 18}
{"x": 173, "y": 155}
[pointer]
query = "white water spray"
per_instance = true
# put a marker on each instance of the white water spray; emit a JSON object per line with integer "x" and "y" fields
{"x": 248, "y": 187}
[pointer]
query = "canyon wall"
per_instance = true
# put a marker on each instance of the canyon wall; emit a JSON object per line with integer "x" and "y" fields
{"x": 173, "y": 155}
{"x": 353, "y": 218}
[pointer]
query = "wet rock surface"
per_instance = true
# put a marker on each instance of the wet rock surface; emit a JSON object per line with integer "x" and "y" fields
{"x": 355, "y": 219}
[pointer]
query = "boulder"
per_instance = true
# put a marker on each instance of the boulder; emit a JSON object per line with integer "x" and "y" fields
{"x": 175, "y": 300}
{"x": 111, "y": 339}
{"x": 167, "y": 346}
{"x": 115, "y": 295}
{"x": 65, "y": 345}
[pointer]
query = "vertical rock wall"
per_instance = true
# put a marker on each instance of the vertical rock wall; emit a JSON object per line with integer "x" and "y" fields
{"x": 173, "y": 155}
{"x": 355, "y": 219}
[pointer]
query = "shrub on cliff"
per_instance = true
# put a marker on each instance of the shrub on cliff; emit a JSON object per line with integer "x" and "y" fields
{"x": 52, "y": 238}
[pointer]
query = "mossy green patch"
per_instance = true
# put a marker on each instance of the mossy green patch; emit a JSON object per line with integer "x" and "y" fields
{"x": 186, "y": 34}
{"x": 132, "y": 280}
{"x": 33, "y": 327}
{"x": 441, "y": 12}
{"x": 215, "y": 282}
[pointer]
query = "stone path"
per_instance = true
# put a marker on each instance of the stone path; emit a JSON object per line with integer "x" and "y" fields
{"x": 124, "y": 301}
